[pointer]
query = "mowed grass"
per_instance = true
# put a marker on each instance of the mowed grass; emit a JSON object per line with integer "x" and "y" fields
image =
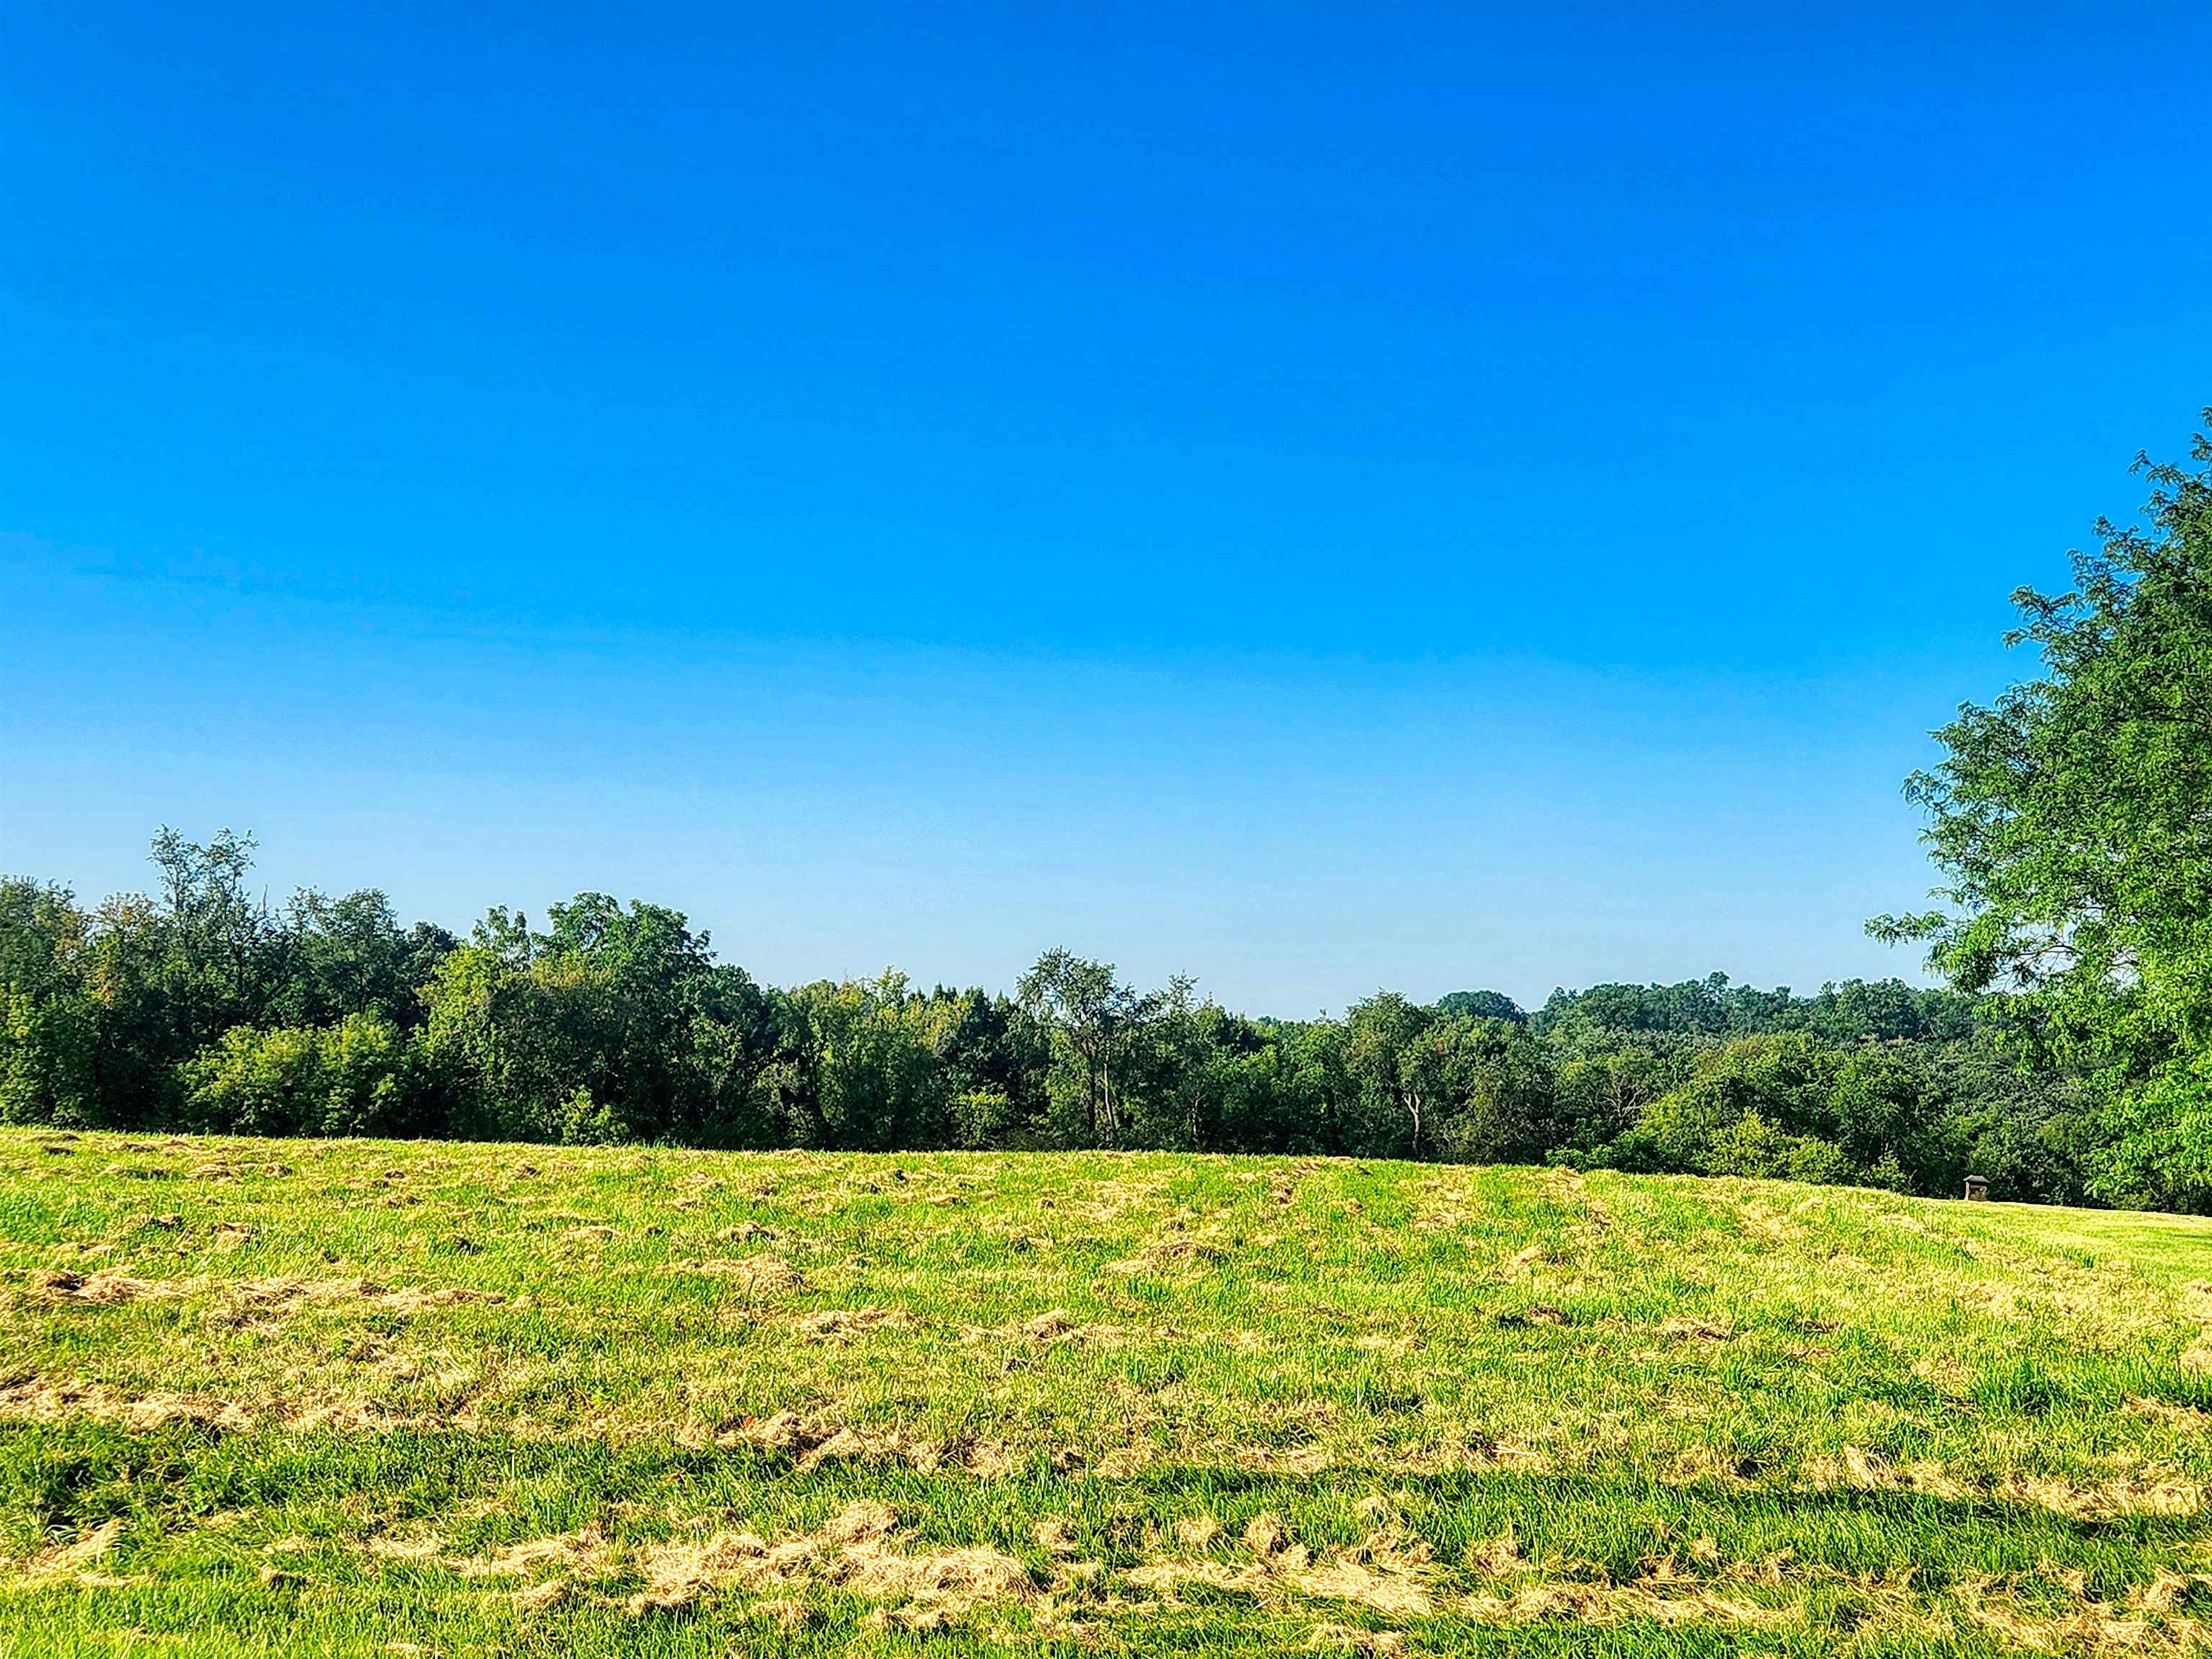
{"x": 372, "y": 1398}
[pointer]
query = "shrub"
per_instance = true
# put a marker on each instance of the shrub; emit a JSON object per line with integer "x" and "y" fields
{"x": 349, "y": 1078}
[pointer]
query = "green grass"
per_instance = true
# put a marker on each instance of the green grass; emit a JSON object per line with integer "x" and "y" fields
{"x": 266, "y": 1397}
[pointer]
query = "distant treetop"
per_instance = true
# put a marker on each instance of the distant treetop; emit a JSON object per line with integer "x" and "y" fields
{"x": 1482, "y": 1004}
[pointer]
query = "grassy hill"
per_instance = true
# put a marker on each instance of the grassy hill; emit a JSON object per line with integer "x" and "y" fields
{"x": 376, "y": 1398}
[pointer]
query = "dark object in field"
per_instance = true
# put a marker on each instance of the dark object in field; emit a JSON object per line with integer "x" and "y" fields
{"x": 1540, "y": 1314}
{"x": 1978, "y": 1187}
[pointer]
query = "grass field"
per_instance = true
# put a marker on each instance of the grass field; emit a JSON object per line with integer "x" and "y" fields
{"x": 375, "y": 1399}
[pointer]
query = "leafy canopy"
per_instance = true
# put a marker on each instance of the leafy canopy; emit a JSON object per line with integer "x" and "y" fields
{"x": 2073, "y": 821}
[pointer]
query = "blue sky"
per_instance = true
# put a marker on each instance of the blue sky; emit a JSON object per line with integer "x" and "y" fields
{"x": 1317, "y": 497}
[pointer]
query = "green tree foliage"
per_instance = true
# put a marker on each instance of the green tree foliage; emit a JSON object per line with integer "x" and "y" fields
{"x": 349, "y": 955}
{"x": 48, "y": 1030}
{"x": 1482, "y": 1004}
{"x": 873, "y": 1080}
{"x": 613, "y": 1024}
{"x": 1499, "y": 1090}
{"x": 1597, "y": 1098}
{"x": 995, "y": 1056}
{"x": 199, "y": 1007}
{"x": 1097, "y": 1024}
{"x": 2072, "y": 819}
{"x": 1770, "y": 1105}
{"x": 1396, "y": 1075}
{"x": 352, "y": 1078}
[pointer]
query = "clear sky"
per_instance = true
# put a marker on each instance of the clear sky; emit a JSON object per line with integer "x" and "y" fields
{"x": 1321, "y": 497}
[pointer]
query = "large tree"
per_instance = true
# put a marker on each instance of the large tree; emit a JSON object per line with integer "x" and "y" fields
{"x": 2073, "y": 821}
{"x": 1094, "y": 1019}
{"x": 1398, "y": 1079}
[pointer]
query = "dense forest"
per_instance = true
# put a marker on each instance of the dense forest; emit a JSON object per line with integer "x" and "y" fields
{"x": 2070, "y": 1059}
{"x": 198, "y": 1005}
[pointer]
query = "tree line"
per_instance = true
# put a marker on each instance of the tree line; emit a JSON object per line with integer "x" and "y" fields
{"x": 200, "y": 1006}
